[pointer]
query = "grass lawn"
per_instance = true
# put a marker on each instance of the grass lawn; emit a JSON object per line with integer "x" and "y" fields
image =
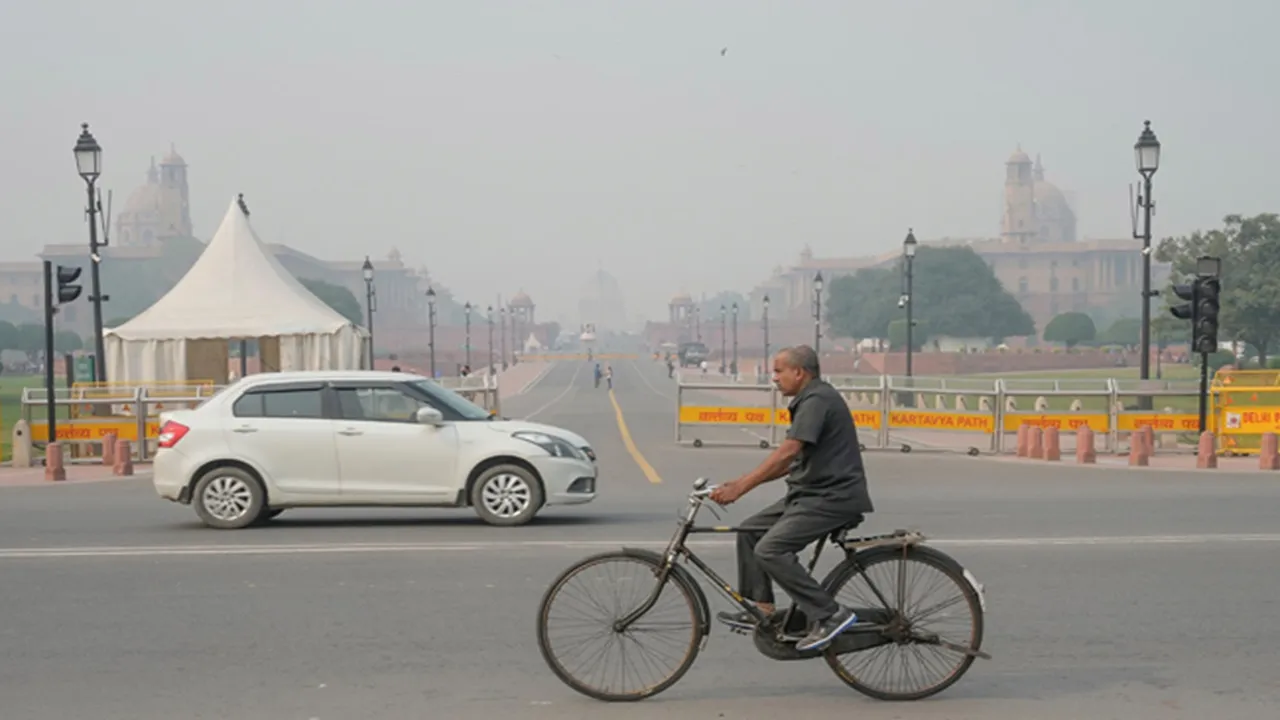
{"x": 11, "y": 387}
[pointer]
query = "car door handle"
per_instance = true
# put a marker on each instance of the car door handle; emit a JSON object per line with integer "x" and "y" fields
{"x": 349, "y": 432}
{"x": 245, "y": 429}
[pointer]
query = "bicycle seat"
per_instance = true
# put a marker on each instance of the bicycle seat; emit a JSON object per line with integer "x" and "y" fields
{"x": 840, "y": 535}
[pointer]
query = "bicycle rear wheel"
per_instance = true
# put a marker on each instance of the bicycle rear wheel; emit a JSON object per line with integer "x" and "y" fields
{"x": 931, "y": 635}
{"x": 578, "y": 640}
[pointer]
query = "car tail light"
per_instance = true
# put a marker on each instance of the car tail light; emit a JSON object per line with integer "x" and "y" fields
{"x": 170, "y": 433}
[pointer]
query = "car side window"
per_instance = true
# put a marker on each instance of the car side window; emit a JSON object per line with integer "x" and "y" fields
{"x": 288, "y": 404}
{"x": 377, "y": 404}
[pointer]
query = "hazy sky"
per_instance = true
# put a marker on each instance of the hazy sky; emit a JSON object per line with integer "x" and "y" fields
{"x": 516, "y": 144}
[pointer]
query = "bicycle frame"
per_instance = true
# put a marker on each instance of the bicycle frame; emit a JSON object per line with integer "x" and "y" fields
{"x": 676, "y": 549}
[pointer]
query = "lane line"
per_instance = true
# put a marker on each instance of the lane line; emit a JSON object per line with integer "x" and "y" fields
{"x": 500, "y": 546}
{"x": 573, "y": 384}
{"x": 634, "y": 451}
{"x": 652, "y": 387}
{"x": 536, "y": 379}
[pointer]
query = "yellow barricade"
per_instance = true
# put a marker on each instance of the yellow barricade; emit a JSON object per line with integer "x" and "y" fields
{"x": 942, "y": 420}
{"x": 92, "y": 430}
{"x": 690, "y": 415}
{"x": 862, "y": 418}
{"x": 1097, "y": 422}
{"x": 1158, "y": 421}
{"x": 1244, "y": 405}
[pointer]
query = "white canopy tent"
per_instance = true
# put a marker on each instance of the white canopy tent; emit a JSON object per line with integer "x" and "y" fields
{"x": 236, "y": 290}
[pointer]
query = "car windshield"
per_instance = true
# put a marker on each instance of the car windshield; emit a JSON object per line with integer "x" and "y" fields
{"x": 452, "y": 400}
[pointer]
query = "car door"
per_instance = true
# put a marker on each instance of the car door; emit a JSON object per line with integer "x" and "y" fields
{"x": 282, "y": 429}
{"x": 384, "y": 454}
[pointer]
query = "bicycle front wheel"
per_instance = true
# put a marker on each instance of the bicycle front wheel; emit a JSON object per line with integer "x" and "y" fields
{"x": 579, "y": 640}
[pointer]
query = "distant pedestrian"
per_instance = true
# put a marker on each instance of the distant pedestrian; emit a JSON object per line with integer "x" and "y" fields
{"x": 608, "y": 375}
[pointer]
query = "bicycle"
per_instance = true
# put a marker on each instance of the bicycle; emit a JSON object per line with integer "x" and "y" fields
{"x": 882, "y": 625}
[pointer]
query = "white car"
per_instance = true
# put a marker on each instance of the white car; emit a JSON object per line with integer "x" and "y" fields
{"x": 275, "y": 441}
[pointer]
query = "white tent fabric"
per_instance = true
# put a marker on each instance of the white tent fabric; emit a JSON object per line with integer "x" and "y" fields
{"x": 237, "y": 289}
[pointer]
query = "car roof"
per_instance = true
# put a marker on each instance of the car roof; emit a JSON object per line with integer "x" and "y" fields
{"x": 294, "y": 376}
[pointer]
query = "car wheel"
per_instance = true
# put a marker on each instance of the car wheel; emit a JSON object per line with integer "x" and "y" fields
{"x": 506, "y": 495}
{"x": 268, "y": 514}
{"x": 228, "y": 498}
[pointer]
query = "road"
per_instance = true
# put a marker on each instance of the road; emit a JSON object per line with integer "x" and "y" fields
{"x": 1113, "y": 593}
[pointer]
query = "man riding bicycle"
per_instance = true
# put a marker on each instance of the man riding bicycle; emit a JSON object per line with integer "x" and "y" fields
{"x": 826, "y": 491}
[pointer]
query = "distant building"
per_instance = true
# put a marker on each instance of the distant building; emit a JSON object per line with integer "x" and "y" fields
{"x": 601, "y": 303}
{"x": 1037, "y": 258}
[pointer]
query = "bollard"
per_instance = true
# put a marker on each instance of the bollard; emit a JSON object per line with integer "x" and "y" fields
{"x": 1085, "y": 452}
{"x": 1148, "y": 439}
{"x": 1023, "y": 431}
{"x": 1269, "y": 456}
{"x": 1138, "y": 456}
{"x": 1052, "y": 446}
{"x": 1035, "y": 443}
{"x": 109, "y": 449}
{"x": 53, "y": 468}
{"x": 124, "y": 458}
{"x": 1206, "y": 457}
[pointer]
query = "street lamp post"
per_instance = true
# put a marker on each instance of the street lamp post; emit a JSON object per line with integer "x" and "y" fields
{"x": 1147, "y": 157}
{"x": 466, "y": 311}
{"x": 765, "y": 320}
{"x": 369, "y": 295}
{"x": 489, "y": 315}
{"x": 724, "y": 318}
{"x": 909, "y": 256}
{"x": 697, "y": 323}
{"x": 431, "y": 328}
{"x": 733, "y": 367}
{"x": 817, "y": 314}
{"x": 502, "y": 334}
{"x": 89, "y": 164}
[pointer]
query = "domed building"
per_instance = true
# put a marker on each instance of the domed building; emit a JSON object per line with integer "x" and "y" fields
{"x": 159, "y": 209}
{"x": 601, "y": 303}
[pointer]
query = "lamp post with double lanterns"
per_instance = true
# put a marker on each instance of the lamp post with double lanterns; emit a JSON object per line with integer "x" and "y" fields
{"x": 817, "y": 314}
{"x": 431, "y": 329}
{"x": 369, "y": 295}
{"x": 466, "y": 311}
{"x": 724, "y": 332}
{"x": 733, "y": 367}
{"x": 89, "y": 164}
{"x": 489, "y": 314}
{"x": 907, "y": 301}
{"x": 1146, "y": 154}
{"x": 765, "y": 321}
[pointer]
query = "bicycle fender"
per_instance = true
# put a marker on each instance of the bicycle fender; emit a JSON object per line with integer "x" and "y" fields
{"x": 682, "y": 575}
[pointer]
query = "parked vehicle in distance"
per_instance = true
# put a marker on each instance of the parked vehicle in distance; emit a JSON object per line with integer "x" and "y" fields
{"x": 692, "y": 354}
{"x": 275, "y": 441}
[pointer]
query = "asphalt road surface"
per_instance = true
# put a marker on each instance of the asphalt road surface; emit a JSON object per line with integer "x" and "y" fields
{"x": 1113, "y": 593}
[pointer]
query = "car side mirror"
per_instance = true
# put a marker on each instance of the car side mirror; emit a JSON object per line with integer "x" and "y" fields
{"x": 429, "y": 416}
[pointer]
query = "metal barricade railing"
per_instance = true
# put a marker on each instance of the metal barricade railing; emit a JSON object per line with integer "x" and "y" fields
{"x": 480, "y": 388}
{"x": 952, "y": 414}
{"x": 1245, "y": 404}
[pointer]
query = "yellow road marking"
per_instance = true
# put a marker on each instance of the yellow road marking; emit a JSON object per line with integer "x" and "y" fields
{"x": 645, "y": 467}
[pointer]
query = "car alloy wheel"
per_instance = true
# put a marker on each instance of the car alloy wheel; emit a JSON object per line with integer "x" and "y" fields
{"x": 227, "y": 498}
{"x": 506, "y": 496}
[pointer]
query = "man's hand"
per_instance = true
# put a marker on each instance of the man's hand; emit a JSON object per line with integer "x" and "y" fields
{"x": 729, "y": 492}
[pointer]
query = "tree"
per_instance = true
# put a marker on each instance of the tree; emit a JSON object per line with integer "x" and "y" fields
{"x": 29, "y": 338}
{"x": 1250, "y": 252}
{"x": 898, "y": 334}
{"x": 1071, "y": 328}
{"x": 955, "y": 293}
{"x": 336, "y": 297}
{"x": 8, "y": 336}
{"x": 1125, "y": 331}
{"x": 65, "y": 341}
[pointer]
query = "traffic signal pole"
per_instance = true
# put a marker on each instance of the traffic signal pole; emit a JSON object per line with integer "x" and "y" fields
{"x": 1202, "y": 306}
{"x": 51, "y": 405}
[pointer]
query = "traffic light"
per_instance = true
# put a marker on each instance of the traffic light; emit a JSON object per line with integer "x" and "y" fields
{"x": 1206, "y": 316}
{"x": 1186, "y": 311}
{"x": 68, "y": 292}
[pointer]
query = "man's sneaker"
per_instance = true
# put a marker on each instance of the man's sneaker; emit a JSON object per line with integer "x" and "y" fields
{"x": 824, "y": 632}
{"x": 741, "y": 620}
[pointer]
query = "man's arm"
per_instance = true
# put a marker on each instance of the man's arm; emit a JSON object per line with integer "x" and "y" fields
{"x": 806, "y": 427}
{"x": 777, "y": 465}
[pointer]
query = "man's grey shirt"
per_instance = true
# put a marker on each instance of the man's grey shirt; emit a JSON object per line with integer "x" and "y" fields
{"x": 829, "y": 468}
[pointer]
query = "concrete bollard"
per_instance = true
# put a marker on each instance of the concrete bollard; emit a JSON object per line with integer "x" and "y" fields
{"x": 53, "y": 467}
{"x": 1023, "y": 432}
{"x": 22, "y": 455}
{"x": 1052, "y": 446}
{"x": 1138, "y": 454}
{"x": 1148, "y": 439}
{"x": 1086, "y": 454}
{"x": 1035, "y": 443}
{"x": 1269, "y": 456}
{"x": 109, "y": 449}
{"x": 1206, "y": 457}
{"x": 124, "y": 458}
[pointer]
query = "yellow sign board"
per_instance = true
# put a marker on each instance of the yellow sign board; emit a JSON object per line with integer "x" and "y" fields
{"x": 942, "y": 420}
{"x": 861, "y": 418}
{"x": 1063, "y": 421}
{"x": 1250, "y": 421}
{"x": 92, "y": 430}
{"x": 725, "y": 416}
{"x": 1159, "y": 422}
